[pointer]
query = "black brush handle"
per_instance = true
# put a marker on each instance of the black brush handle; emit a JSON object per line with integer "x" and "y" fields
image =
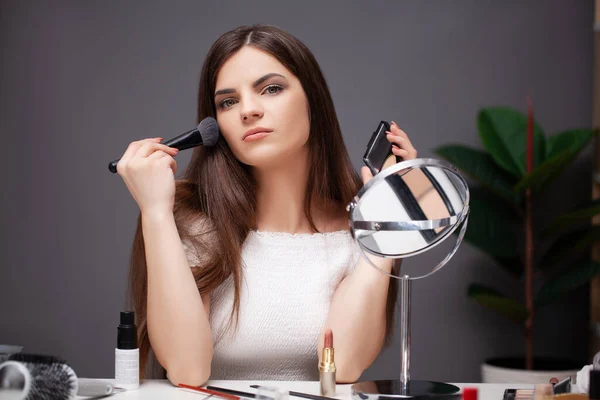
{"x": 112, "y": 166}
{"x": 303, "y": 395}
{"x": 184, "y": 141}
{"x": 231, "y": 391}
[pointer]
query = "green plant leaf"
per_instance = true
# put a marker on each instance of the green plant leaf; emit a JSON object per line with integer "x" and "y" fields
{"x": 496, "y": 301}
{"x": 574, "y": 140}
{"x": 561, "y": 149}
{"x": 569, "y": 279}
{"x": 503, "y": 133}
{"x": 480, "y": 166}
{"x": 492, "y": 227}
{"x": 544, "y": 173}
{"x": 569, "y": 245}
{"x": 576, "y": 215}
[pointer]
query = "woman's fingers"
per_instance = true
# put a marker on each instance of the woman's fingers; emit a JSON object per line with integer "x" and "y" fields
{"x": 164, "y": 158}
{"x": 149, "y": 147}
{"x": 157, "y": 155}
{"x": 131, "y": 150}
{"x": 400, "y": 152}
{"x": 401, "y": 144}
{"x": 395, "y": 129}
{"x": 170, "y": 162}
{"x": 134, "y": 146}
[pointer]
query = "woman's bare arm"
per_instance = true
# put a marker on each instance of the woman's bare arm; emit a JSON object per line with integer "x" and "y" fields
{"x": 178, "y": 324}
{"x": 357, "y": 317}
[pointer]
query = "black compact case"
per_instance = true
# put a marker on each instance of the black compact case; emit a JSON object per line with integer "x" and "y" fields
{"x": 378, "y": 149}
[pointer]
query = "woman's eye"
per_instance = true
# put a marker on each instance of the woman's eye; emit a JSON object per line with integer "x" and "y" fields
{"x": 273, "y": 89}
{"x": 226, "y": 103}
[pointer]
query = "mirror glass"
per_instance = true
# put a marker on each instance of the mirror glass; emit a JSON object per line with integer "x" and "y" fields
{"x": 409, "y": 208}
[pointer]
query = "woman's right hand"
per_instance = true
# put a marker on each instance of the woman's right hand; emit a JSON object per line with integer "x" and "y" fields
{"x": 148, "y": 169}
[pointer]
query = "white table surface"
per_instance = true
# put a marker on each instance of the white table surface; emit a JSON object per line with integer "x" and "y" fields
{"x": 163, "y": 389}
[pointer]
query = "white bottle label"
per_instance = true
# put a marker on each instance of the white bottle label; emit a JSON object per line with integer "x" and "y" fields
{"x": 127, "y": 368}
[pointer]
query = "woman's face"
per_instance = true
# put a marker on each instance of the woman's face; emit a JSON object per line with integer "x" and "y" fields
{"x": 262, "y": 110}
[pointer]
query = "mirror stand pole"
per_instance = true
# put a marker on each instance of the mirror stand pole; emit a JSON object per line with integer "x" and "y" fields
{"x": 405, "y": 286}
{"x": 404, "y": 388}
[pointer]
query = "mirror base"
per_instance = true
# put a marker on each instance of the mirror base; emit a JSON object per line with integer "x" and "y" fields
{"x": 392, "y": 389}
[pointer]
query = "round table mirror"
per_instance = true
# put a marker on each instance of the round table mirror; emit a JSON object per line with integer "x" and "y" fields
{"x": 409, "y": 208}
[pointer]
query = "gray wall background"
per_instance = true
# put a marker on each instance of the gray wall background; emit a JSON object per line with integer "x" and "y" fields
{"x": 81, "y": 79}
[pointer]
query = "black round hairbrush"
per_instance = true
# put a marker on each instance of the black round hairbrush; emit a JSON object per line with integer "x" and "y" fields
{"x": 31, "y": 376}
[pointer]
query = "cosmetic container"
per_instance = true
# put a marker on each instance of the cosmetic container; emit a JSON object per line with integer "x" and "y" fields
{"x": 127, "y": 354}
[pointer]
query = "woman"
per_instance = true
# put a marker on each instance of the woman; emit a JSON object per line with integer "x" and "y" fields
{"x": 239, "y": 268}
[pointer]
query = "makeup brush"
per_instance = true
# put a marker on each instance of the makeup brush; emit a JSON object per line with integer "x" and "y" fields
{"x": 206, "y": 134}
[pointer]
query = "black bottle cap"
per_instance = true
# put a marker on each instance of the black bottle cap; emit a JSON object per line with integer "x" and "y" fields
{"x": 127, "y": 318}
{"x": 127, "y": 331}
{"x": 594, "y": 392}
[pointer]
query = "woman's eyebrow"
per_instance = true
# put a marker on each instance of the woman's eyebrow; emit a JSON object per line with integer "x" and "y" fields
{"x": 255, "y": 84}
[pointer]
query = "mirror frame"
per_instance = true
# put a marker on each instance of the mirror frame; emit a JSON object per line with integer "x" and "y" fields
{"x": 454, "y": 221}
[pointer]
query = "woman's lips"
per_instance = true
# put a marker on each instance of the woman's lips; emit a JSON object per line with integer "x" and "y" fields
{"x": 256, "y": 136}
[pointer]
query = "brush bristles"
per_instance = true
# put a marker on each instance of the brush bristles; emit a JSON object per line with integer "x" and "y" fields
{"x": 36, "y": 358}
{"x": 209, "y": 131}
{"x": 51, "y": 377}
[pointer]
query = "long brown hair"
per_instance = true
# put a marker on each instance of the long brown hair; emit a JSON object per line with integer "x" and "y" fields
{"x": 216, "y": 187}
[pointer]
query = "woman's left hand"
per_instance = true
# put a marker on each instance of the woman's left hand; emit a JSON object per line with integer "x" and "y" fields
{"x": 401, "y": 147}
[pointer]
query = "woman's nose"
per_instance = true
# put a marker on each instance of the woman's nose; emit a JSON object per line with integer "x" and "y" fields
{"x": 251, "y": 109}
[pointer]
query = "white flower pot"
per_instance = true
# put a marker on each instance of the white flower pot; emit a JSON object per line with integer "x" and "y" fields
{"x": 491, "y": 372}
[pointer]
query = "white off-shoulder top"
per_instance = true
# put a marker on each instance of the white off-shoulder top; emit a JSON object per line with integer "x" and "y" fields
{"x": 287, "y": 286}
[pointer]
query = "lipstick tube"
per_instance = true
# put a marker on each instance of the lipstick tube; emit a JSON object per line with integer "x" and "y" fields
{"x": 327, "y": 367}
